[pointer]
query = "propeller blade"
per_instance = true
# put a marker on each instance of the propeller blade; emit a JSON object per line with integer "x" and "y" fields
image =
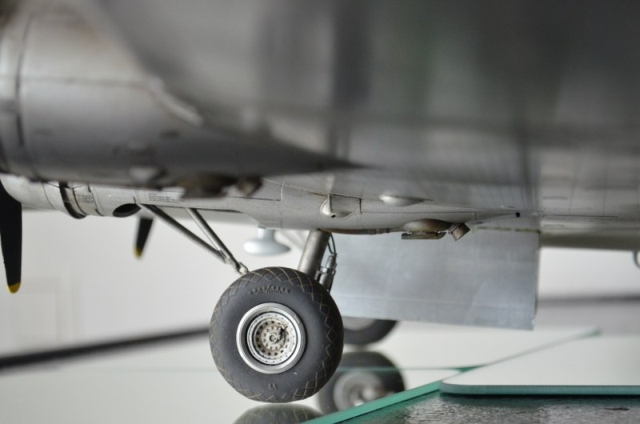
{"x": 11, "y": 238}
{"x": 144, "y": 227}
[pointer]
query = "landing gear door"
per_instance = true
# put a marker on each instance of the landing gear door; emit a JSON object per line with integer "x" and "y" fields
{"x": 488, "y": 278}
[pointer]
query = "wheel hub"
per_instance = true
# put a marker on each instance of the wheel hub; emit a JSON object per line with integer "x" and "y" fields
{"x": 270, "y": 338}
{"x": 273, "y": 338}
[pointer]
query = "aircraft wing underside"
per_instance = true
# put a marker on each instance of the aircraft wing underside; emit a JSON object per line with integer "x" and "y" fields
{"x": 459, "y": 111}
{"x": 527, "y": 106}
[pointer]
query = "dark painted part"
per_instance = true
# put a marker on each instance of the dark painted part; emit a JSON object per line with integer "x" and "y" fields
{"x": 11, "y": 236}
{"x": 44, "y": 356}
{"x": 67, "y": 202}
{"x": 144, "y": 228}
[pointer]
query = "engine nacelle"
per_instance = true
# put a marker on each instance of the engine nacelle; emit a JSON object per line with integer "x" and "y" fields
{"x": 75, "y": 106}
{"x": 75, "y": 200}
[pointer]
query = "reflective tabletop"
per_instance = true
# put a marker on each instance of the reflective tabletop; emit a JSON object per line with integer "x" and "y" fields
{"x": 176, "y": 381}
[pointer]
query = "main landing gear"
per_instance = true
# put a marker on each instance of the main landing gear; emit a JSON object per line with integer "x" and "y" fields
{"x": 276, "y": 334}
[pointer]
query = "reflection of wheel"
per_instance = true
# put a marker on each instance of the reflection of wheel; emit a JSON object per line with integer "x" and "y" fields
{"x": 270, "y": 414}
{"x": 362, "y": 331}
{"x": 362, "y": 377}
{"x": 276, "y": 335}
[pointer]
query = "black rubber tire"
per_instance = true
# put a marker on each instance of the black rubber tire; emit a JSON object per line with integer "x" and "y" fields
{"x": 375, "y": 332}
{"x": 320, "y": 319}
{"x": 361, "y": 362}
{"x": 269, "y": 414}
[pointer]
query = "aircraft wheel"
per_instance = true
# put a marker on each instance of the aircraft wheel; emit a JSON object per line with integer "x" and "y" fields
{"x": 363, "y": 331}
{"x": 290, "y": 414}
{"x": 362, "y": 377}
{"x": 276, "y": 335}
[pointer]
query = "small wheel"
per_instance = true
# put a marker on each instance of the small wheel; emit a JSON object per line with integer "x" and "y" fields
{"x": 276, "y": 335}
{"x": 363, "y": 331}
{"x": 362, "y": 377}
{"x": 289, "y": 414}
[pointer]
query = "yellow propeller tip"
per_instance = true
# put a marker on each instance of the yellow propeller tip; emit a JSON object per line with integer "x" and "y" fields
{"x": 137, "y": 252}
{"x": 13, "y": 288}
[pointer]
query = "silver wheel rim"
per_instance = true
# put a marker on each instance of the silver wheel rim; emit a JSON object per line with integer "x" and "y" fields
{"x": 270, "y": 338}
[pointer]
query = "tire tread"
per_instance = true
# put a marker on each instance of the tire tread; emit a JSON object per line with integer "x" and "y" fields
{"x": 318, "y": 296}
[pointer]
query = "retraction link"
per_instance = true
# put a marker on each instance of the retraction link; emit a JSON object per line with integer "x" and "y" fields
{"x": 310, "y": 262}
{"x": 217, "y": 247}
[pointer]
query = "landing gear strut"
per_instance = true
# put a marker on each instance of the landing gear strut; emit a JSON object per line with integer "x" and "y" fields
{"x": 288, "y": 330}
{"x": 276, "y": 334}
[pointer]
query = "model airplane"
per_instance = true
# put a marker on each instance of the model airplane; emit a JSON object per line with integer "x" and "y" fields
{"x": 420, "y": 117}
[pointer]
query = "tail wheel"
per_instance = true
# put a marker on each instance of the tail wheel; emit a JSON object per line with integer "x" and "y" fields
{"x": 363, "y": 331}
{"x": 276, "y": 335}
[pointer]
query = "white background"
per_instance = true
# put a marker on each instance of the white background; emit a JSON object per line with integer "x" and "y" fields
{"x": 81, "y": 282}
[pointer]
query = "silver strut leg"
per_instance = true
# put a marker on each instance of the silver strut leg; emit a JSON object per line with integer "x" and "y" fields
{"x": 219, "y": 250}
{"x": 312, "y": 254}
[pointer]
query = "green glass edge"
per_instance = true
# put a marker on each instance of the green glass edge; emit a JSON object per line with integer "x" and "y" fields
{"x": 375, "y": 405}
{"x": 368, "y": 407}
{"x": 461, "y": 389}
{"x": 478, "y": 390}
